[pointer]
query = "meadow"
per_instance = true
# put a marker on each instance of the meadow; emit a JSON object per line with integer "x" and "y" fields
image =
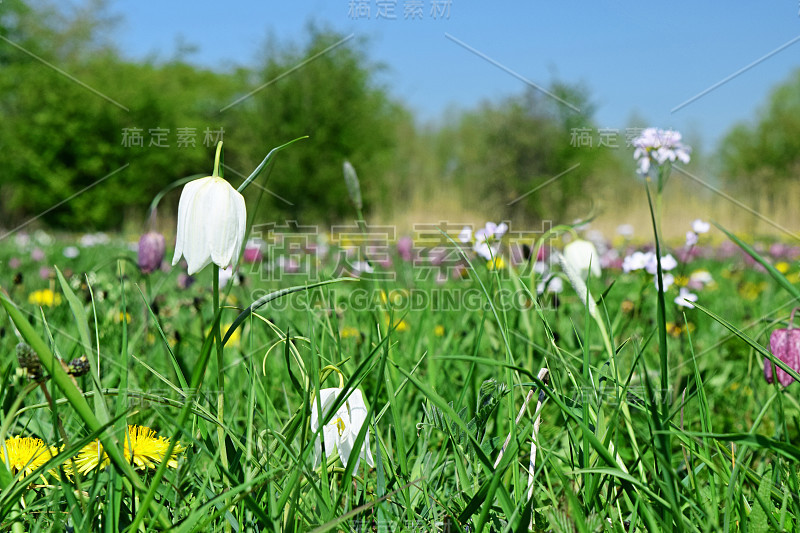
{"x": 356, "y": 378}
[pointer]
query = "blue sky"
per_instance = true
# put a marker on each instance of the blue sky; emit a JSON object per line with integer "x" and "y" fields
{"x": 636, "y": 58}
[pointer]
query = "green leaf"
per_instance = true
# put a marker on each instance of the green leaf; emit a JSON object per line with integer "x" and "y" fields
{"x": 758, "y": 516}
{"x": 82, "y": 322}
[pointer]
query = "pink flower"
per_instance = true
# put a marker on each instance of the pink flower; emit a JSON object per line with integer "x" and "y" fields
{"x": 252, "y": 255}
{"x": 405, "y": 247}
{"x": 785, "y": 345}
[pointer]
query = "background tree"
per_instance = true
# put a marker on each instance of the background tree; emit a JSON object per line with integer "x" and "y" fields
{"x": 762, "y": 158}
{"x": 335, "y": 100}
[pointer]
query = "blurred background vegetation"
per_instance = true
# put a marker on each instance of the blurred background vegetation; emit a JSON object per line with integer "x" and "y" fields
{"x": 59, "y": 137}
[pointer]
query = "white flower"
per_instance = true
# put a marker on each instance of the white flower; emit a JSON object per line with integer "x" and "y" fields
{"x": 669, "y": 279}
{"x": 691, "y": 239}
{"x": 685, "y": 295}
{"x": 659, "y": 146}
{"x": 701, "y": 276}
{"x": 466, "y": 235}
{"x": 625, "y": 230}
{"x": 485, "y": 250}
{"x": 497, "y": 230}
{"x": 487, "y": 239}
{"x": 362, "y": 267}
{"x": 211, "y": 224}
{"x": 667, "y": 263}
{"x": 582, "y": 256}
{"x": 93, "y": 239}
{"x": 698, "y": 226}
{"x": 636, "y": 261}
{"x": 552, "y": 284}
{"x": 699, "y": 279}
{"x": 71, "y": 252}
{"x": 340, "y": 432}
{"x": 540, "y": 267}
{"x": 579, "y": 284}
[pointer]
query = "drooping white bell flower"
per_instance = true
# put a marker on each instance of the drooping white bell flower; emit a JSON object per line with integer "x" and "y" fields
{"x": 343, "y": 427}
{"x": 582, "y": 256}
{"x": 211, "y": 224}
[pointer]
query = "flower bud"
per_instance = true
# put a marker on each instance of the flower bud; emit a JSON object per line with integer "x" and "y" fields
{"x": 151, "y": 251}
{"x": 353, "y": 187}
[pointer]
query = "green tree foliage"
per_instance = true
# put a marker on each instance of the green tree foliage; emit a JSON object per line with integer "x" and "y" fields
{"x": 761, "y": 157}
{"x": 65, "y": 132}
{"x": 71, "y": 103}
{"x": 61, "y": 136}
{"x": 326, "y": 90}
{"x": 509, "y": 154}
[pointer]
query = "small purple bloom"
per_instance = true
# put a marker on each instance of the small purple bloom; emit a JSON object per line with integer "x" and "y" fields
{"x": 778, "y": 250}
{"x": 37, "y": 254}
{"x": 151, "y": 251}
{"x": 405, "y": 247}
{"x": 184, "y": 280}
{"x": 785, "y": 345}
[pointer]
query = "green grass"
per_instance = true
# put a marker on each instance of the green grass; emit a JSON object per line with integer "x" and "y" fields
{"x": 716, "y": 451}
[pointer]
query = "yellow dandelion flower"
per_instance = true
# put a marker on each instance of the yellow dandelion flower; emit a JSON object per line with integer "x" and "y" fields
{"x": 750, "y": 290}
{"x": 26, "y": 454}
{"x": 681, "y": 281}
{"x": 44, "y": 298}
{"x": 142, "y": 448}
{"x": 438, "y": 330}
{"x": 122, "y": 316}
{"x": 496, "y": 264}
{"x": 235, "y": 336}
{"x": 676, "y": 330}
{"x": 349, "y": 332}
{"x": 782, "y": 267}
{"x": 397, "y": 325}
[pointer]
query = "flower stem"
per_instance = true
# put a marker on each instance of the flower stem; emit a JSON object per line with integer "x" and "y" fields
{"x": 223, "y": 452}
{"x": 218, "y": 161}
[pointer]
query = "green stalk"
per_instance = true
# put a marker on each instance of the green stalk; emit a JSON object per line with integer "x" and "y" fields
{"x": 223, "y": 452}
{"x": 218, "y": 160}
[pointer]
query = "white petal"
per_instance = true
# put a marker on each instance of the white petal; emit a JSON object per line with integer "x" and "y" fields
{"x": 211, "y": 223}
{"x": 317, "y": 453}
{"x": 331, "y": 438}
{"x": 345, "y": 444}
{"x": 358, "y": 416}
{"x": 182, "y": 234}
